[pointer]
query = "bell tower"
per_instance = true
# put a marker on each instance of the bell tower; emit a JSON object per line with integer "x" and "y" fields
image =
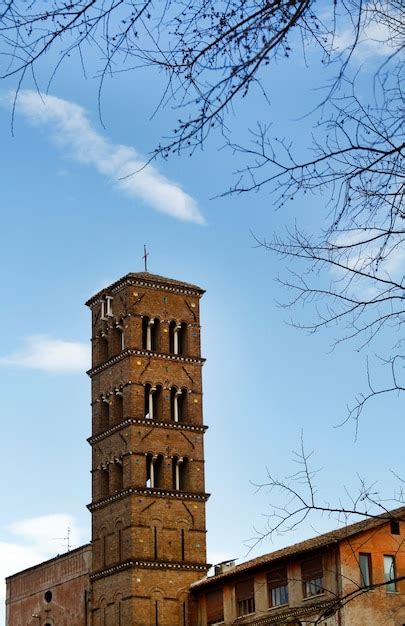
{"x": 148, "y": 492}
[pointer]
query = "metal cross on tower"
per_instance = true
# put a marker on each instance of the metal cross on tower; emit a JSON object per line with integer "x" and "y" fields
{"x": 145, "y": 258}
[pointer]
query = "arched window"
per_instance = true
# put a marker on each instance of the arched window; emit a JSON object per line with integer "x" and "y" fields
{"x": 118, "y": 335}
{"x": 102, "y": 347}
{"x": 153, "y": 401}
{"x": 118, "y": 475}
{"x": 177, "y": 337}
{"x": 118, "y": 407}
{"x": 154, "y": 470}
{"x": 178, "y": 472}
{"x": 104, "y": 482}
{"x": 104, "y": 413}
{"x": 178, "y": 404}
{"x": 150, "y": 333}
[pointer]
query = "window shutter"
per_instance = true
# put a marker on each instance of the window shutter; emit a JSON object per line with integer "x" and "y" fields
{"x": 312, "y": 568}
{"x": 244, "y": 590}
{"x": 277, "y": 578}
{"x": 215, "y": 606}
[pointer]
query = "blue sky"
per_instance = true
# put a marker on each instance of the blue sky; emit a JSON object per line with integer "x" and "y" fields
{"x": 70, "y": 226}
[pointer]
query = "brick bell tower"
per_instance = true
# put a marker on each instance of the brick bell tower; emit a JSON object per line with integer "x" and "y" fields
{"x": 148, "y": 495}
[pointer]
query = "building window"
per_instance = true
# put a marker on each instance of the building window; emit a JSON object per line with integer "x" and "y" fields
{"x": 277, "y": 585}
{"x": 118, "y": 407}
{"x": 103, "y": 347}
{"x": 215, "y": 607}
{"x": 389, "y": 573}
{"x": 104, "y": 413}
{"x": 395, "y": 530}
{"x": 312, "y": 576}
{"x": 118, "y": 337}
{"x": 150, "y": 333}
{"x": 245, "y": 597}
{"x": 118, "y": 475}
{"x": 178, "y": 471}
{"x": 153, "y": 470}
{"x": 365, "y": 569}
{"x": 178, "y": 403}
{"x": 153, "y": 397}
{"x": 106, "y": 307}
{"x": 104, "y": 482}
{"x": 177, "y": 337}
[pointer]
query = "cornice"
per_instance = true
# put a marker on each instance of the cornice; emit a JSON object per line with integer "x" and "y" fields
{"x": 155, "y": 493}
{"x": 148, "y": 353}
{"x": 148, "y": 565}
{"x": 161, "y": 285}
{"x": 146, "y": 422}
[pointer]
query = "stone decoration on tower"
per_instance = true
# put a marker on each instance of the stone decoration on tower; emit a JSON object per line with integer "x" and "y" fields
{"x": 148, "y": 491}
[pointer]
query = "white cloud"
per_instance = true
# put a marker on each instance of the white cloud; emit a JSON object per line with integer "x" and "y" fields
{"x": 122, "y": 165}
{"x": 42, "y": 352}
{"x": 39, "y": 538}
{"x": 361, "y": 258}
{"x": 378, "y": 36}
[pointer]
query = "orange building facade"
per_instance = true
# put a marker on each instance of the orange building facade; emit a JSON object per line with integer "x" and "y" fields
{"x": 354, "y": 576}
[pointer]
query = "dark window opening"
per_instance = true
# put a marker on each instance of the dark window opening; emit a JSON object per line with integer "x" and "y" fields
{"x": 177, "y": 338}
{"x": 104, "y": 483}
{"x": 178, "y": 404}
{"x": 118, "y": 408}
{"x": 245, "y": 597}
{"x": 277, "y": 585}
{"x": 150, "y": 333}
{"x": 178, "y": 472}
{"x": 104, "y": 413}
{"x": 102, "y": 348}
{"x": 118, "y": 476}
{"x": 154, "y": 464}
{"x": 118, "y": 338}
{"x": 395, "y": 529}
{"x": 312, "y": 576}
{"x": 48, "y": 596}
{"x": 153, "y": 402}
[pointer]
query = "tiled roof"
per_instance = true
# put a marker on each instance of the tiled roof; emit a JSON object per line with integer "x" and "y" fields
{"x": 305, "y": 546}
{"x": 147, "y": 278}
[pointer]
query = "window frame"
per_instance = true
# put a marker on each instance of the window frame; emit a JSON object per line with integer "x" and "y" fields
{"x": 245, "y": 601}
{"x": 309, "y": 583}
{"x": 280, "y": 585}
{"x": 390, "y": 587}
{"x": 367, "y": 557}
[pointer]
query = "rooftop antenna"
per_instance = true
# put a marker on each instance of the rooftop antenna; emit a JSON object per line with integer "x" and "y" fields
{"x": 67, "y": 539}
{"x": 145, "y": 257}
